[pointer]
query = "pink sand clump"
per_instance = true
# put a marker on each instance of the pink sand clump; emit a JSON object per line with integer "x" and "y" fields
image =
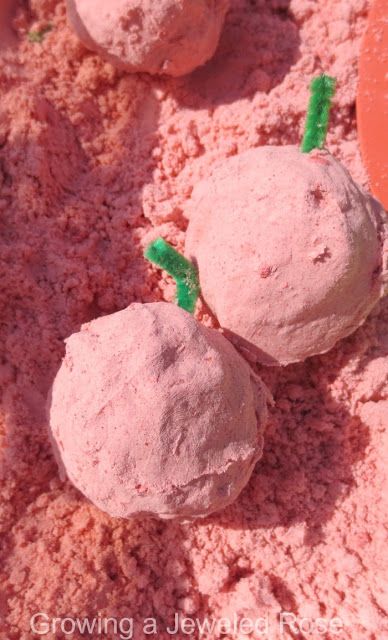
{"x": 170, "y": 37}
{"x": 93, "y": 165}
{"x": 152, "y": 413}
{"x": 293, "y": 257}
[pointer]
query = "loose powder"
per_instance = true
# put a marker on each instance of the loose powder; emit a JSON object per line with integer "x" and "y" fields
{"x": 94, "y": 165}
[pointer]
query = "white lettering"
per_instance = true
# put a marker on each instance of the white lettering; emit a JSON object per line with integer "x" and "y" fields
{"x": 44, "y": 627}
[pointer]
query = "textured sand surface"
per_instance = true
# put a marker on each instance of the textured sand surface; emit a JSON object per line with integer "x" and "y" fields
{"x": 95, "y": 164}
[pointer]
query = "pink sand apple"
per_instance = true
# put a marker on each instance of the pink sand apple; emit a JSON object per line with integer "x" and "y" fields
{"x": 165, "y": 37}
{"x": 153, "y": 413}
{"x": 290, "y": 251}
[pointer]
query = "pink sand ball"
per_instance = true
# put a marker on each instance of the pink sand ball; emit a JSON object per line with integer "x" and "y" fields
{"x": 290, "y": 251}
{"x": 165, "y": 37}
{"x": 153, "y": 413}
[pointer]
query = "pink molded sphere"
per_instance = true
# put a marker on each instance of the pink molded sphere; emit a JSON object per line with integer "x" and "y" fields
{"x": 153, "y": 413}
{"x": 289, "y": 250}
{"x": 165, "y": 37}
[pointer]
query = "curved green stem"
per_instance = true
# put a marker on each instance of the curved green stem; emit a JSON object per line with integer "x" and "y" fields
{"x": 182, "y": 270}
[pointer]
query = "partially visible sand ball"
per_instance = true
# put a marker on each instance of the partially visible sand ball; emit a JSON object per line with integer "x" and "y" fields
{"x": 170, "y": 37}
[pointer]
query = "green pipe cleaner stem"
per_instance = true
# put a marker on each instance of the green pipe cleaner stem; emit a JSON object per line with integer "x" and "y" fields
{"x": 182, "y": 270}
{"x": 322, "y": 90}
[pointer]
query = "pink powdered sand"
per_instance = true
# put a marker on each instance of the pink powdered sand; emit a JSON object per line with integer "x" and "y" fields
{"x": 6, "y": 36}
{"x": 94, "y": 165}
{"x": 154, "y": 414}
{"x": 170, "y": 37}
{"x": 292, "y": 255}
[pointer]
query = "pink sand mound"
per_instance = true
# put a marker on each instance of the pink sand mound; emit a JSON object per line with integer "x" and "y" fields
{"x": 153, "y": 413}
{"x": 289, "y": 250}
{"x": 169, "y": 36}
